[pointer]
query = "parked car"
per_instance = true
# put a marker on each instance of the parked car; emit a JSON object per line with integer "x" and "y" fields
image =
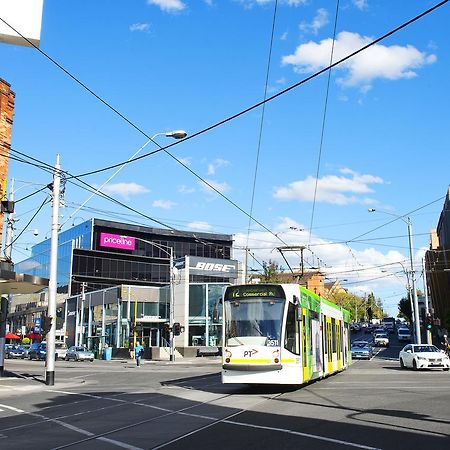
{"x": 381, "y": 340}
{"x": 37, "y": 351}
{"x": 368, "y": 329}
{"x": 361, "y": 350}
{"x": 423, "y": 357}
{"x": 79, "y": 353}
{"x": 404, "y": 334}
{"x": 26, "y": 349}
{"x": 61, "y": 350}
{"x": 13, "y": 352}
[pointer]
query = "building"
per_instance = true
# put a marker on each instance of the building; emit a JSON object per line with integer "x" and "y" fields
{"x": 437, "y": 266}
{"x": 114, "y": 278}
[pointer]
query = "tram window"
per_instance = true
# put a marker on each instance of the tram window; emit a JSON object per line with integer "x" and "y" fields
{"x": 333, "y": 335}
{"x": 305, "y": 359}
{"x": 291, "y": 340}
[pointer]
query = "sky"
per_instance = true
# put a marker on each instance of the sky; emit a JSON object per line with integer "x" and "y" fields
{"x": 307, "y": 166}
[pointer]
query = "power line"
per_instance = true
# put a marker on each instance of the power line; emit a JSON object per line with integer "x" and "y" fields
{"x": 244, "y": 111}
{"x": 322, "y": 133}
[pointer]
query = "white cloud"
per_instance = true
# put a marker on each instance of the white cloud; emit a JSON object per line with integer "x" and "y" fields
{"x": 284, "y": 36}
{"x": 125, "y": 190}
{"x": 216, "y": 164}
{"x": 319, "y": 21}
{"x": 168, "y": 5}
{"x": 221, "y": 187}
{"x": 338, "y": 190}
{"x": 164, "y": 204}
{"x": 200, "y": 226}
{"x": 379, "y": 61}
{"x": 183, "y": 189}
{"x": 186, "y": 161}
{"x": 142, "y": 27}
{"x": 361, "y": 4}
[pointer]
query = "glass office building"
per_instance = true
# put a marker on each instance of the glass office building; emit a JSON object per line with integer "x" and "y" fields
{"x": 116, "y": 275}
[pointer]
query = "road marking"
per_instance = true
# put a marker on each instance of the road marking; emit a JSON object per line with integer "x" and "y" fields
{"x": 73, "y": 428}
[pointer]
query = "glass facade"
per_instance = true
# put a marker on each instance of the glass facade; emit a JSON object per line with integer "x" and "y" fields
{"x": 79, "y": 236}
{"x": 205, "y": 314}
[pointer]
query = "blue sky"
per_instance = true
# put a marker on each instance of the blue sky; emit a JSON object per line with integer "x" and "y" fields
{"x": 172, "y": 64}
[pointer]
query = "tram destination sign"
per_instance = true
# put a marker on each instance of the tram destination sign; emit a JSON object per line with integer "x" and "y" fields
{"x": 248, "y": 291}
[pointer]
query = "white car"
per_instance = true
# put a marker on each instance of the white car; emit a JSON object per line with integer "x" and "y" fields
{"x": 381, "y": 340}
{"x": 423, "y": 357}
{"x": 79, "y": 353}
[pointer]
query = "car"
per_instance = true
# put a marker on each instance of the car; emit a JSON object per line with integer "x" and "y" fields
{"x": 361, "y": 350}
{"x": 61, "y": 350}
{"x": 13, "y": 352}
{"x": 26, "y": 349}
{"x": 368, "y": 329}
{"x": 355, "y": 327}
{"x": 381, "y": 339}
{"x": 37, "y": 351}
{"x": 403, "y": 334}
{"x": 423, "y": 356}
{"x": 79, "y": 353}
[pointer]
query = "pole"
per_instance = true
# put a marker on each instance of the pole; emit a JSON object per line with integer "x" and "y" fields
{"x": 52, "y": 284}
{"x": 4, "y": 301}
{"x": 172, "y": 306}
{"x": 245, "y": 265}
{"x": 427, "y": 306}
{"x": 413, "y": 286}
{"x": 83, "y": 300}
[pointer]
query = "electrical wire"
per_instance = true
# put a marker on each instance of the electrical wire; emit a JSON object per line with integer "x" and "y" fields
{"x": 46, "y": 200}
{"x": 322, "y": 133}
{"x": 236, "y": 115}
{"x": 261, "y": 125}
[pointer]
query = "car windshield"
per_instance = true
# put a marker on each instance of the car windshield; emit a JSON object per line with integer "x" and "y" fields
{"x": 425, "y": 348}
{"x": 360, "y": 345}
{"x": 81, "y": 349}
{"x": 403, "y": 331}
{"x": 381, "y": 335}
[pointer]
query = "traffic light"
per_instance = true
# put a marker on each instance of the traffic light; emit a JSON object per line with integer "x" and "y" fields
{"x": 428, "y": 323}
{"x": 176, "y": 329}
{"x": 46, "y": 324}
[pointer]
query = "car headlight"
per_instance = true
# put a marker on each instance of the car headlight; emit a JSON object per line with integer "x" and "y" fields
{"x": 421, "y": 358}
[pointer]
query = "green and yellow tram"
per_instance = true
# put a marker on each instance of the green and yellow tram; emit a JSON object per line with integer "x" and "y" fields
{"x": 282, "y": 334}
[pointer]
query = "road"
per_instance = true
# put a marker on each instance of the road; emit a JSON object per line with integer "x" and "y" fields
{"x": 113, "y": 404}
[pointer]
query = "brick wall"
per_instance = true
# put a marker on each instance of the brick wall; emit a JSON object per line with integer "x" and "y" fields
{"x": 6, "y": 121}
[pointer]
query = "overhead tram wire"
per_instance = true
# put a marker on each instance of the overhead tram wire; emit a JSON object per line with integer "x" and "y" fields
{"x": 322, "y": 132}
{"x": 261, "y": 125}
{"x": 316, "y": 74}
{"x": 232, "y": 117}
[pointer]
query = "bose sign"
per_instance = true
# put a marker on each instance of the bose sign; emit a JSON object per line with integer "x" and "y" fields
{"x": 213, "y": 267}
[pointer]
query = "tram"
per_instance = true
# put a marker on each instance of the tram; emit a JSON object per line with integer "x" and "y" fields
{"x": 281, "y": 334}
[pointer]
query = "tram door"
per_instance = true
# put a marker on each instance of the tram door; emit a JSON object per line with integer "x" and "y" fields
{"x": 324, "y": 355}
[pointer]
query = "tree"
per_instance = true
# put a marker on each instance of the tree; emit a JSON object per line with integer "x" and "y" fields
{"x": 404, "y": 309}
{"x": 272, "y": 270}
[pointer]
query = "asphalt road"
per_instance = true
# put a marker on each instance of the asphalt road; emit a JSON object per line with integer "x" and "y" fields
{"x": 183, "y": 405}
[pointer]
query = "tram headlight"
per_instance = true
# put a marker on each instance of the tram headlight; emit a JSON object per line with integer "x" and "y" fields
{"x": 276, "y": 360}
{"x": 227, "y": 360}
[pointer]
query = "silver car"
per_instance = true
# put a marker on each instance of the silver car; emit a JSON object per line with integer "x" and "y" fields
{"x": 79, "y": 353}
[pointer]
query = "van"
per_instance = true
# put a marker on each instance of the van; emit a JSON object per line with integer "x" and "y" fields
{"x": 403, "y": 334}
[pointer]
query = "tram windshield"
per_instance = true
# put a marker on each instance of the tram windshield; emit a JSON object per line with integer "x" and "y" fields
{"x": 253, "y": 321}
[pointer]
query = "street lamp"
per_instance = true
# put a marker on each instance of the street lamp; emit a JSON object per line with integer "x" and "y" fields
{"x": 169, "y": 252}
{"x": 176, "y": 134}
{"x": 413, "y": 281}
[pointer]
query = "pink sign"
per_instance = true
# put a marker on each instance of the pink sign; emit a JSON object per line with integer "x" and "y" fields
{"x": 117, "y": 241}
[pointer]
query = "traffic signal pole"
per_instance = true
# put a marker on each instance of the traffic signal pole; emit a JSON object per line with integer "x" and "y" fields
{"x": 51, "y": 336}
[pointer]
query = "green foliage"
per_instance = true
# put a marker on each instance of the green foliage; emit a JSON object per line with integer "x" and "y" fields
{"x": 272, "y": 272}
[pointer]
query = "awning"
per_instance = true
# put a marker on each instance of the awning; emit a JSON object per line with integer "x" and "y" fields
{"x": 12, "y": 336}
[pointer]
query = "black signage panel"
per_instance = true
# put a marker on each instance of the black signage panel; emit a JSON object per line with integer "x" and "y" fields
{"x": 257, "y": 290}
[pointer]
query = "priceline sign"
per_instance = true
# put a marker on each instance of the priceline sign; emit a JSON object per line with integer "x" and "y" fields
{"x": 117, "y": 241}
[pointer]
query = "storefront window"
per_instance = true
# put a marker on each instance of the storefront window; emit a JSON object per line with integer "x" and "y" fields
{"x": 197, "y": 335}
{"x": 197, "y": 300}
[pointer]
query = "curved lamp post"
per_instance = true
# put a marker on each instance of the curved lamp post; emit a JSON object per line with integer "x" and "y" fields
{"x": 169, "y": 252}
{"x": 176, "y": 134}
{"x": 413, "y": 278}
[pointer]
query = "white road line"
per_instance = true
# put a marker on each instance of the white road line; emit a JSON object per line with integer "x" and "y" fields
{"x": 72, "y": 427}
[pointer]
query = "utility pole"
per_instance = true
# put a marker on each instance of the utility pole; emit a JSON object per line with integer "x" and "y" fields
{"x": 413, "y": 286}
{"x": 52, "y": 285}
{"x": 427, "y": 306}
